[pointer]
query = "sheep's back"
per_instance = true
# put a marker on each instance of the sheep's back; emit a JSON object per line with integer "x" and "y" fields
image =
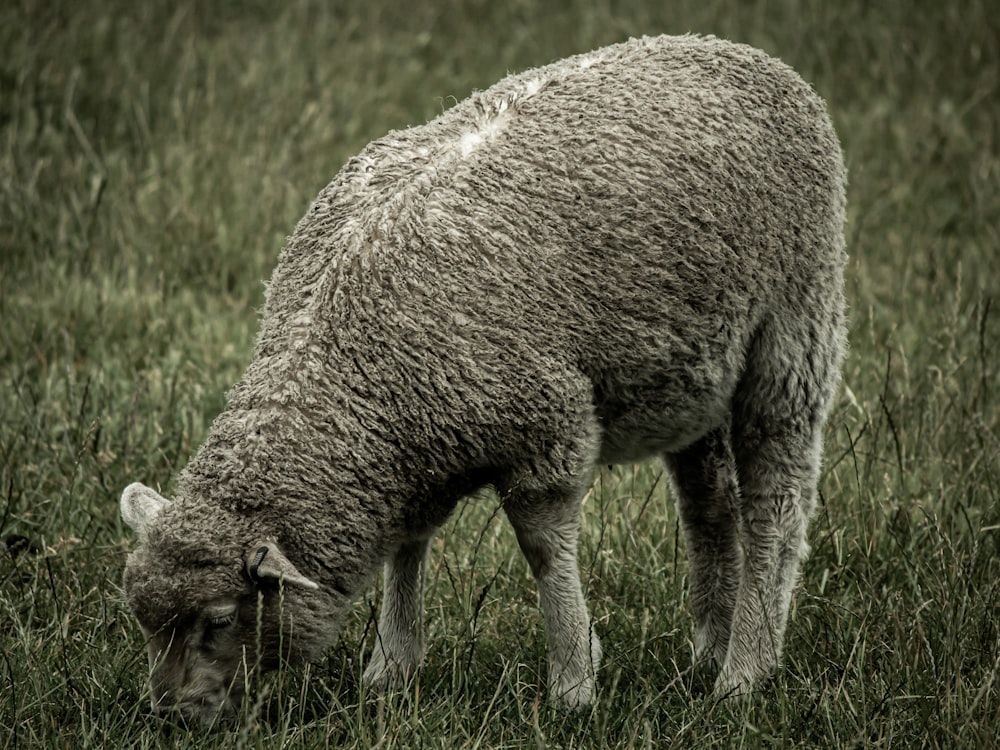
{"x": 623, "y": 212}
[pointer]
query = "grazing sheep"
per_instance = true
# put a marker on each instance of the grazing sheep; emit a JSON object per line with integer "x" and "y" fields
{"x": 633, "y": 252}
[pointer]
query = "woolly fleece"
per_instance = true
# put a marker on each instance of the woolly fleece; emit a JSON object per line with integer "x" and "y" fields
{"x": 634, "y": 252}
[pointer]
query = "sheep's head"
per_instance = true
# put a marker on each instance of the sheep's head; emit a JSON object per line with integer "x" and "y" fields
{"x": 211, "y": 606}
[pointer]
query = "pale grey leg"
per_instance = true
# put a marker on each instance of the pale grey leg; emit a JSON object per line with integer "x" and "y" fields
{"x": 778, "y": 484}
{"x": 704, "y": 478}
{"x": 777, "y": 422}
{"x": 547, "y": 534}
{"x": 399, "y": 646}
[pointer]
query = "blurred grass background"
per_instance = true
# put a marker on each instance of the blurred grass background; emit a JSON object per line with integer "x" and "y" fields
{"x": 154, "y": 155}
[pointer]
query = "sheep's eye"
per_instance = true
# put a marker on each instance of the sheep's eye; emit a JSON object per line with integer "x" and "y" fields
{"x": 220, "y": 616}
{"x": 222, "y": 621}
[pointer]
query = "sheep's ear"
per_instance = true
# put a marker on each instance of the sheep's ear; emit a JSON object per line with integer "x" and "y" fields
{"x": 265, "y": 561}
{"x": 140, "y": 506}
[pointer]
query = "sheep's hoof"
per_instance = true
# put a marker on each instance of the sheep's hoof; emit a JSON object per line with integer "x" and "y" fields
{"x": 576, "y": 689}
{"x": 728, "y": 689}
{"x": 730, "y": 685}
{"x": 744, "y": 673}
{"x": 387, "y": 675}
{"x": 576, "y": 696}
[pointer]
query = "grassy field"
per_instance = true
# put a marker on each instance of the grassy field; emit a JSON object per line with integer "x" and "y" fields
{"x": 154, "y": 155}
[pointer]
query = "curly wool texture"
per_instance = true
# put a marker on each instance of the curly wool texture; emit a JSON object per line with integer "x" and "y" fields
{"x": 576, "y": 262}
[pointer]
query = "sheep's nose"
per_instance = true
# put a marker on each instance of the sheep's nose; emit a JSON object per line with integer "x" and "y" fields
{"x": 173, "y": 715}
{"x": 164, "y": 706}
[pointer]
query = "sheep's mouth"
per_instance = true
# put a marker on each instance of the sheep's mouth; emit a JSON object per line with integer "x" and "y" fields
{"x": 210, "y": 713}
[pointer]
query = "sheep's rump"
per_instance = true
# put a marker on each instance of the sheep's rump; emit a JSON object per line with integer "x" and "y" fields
{"x": 634, "y": 214}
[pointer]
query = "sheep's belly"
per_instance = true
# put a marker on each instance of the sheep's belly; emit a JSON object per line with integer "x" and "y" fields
{"x": 637, "y": 434}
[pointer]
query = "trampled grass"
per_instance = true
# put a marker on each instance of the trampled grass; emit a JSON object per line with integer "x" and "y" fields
{"x": 153, "y": 157}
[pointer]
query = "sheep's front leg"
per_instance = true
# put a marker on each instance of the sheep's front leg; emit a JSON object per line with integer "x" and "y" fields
{"x": 399, "y": 644}
{"x": 547, "y": 533}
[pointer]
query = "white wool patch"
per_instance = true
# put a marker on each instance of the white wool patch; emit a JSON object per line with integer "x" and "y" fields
{"x": 533, "y": 87}
{"x": 301, "y": 324}
{"x": 492, "y": 122}
{"x": 496, "y": 113}
{"x": 469, "y": 142}
{"x": 589, "y": 60}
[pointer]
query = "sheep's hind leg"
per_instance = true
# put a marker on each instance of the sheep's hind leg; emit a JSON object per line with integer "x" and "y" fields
{"x": 399, "y": 644}
{"x": 777, "y": 490}
{"x": 778, "y": 415}
{"x": 547, "y": 523}
{"x": 704, "y": 478}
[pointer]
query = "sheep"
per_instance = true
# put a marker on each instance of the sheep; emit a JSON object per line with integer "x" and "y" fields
{"x": 636, "y": 252}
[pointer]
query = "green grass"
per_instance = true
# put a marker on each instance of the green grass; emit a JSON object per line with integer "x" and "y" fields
{"x": 154, "y": 155}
